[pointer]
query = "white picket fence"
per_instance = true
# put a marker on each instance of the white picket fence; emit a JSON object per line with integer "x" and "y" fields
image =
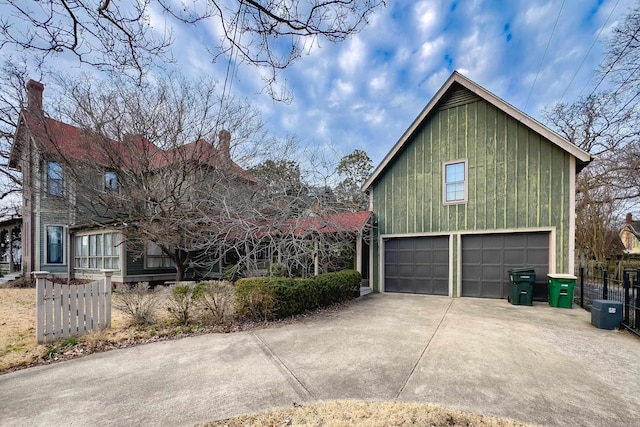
{"x": 63, "y": 311}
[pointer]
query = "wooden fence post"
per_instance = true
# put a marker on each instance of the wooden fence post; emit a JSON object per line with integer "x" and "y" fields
{"x": 107, "y": 296}
{"x": 40, "y": 277}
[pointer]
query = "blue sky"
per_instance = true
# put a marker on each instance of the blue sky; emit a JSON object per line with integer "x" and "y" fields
{"x": 364, "y": 92}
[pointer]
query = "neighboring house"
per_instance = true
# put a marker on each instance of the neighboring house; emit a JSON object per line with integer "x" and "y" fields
{"x": 473, "y": 188}
{"x": 630, "y": 235}
{"x": 62, "y": 237}
{"x": 54, "y": 239}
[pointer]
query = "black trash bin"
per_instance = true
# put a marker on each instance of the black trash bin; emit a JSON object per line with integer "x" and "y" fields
{"x": 522, "y": 280}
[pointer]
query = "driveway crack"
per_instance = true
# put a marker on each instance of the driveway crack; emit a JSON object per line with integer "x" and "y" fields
{"x": 292, "y": 379}
{"x": 424, "y": 350}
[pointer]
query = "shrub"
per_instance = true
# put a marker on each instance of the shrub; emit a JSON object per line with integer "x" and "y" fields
{"x": 281, "y": 297}
{"x": 255, "y": 298}
{"x": 21, "y": 283}
{"x": 137, "y": 302}
{"x": 217, "y": 301}
{"x": 231, "y": 273}
{"x": 296, "y": 296}
{"x": 278, "y": 270}
{"x": 183, "y": 301}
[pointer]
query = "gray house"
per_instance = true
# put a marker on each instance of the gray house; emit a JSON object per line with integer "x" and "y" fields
{"x": 54, "y": 239}
{"x": 473, "y": 188}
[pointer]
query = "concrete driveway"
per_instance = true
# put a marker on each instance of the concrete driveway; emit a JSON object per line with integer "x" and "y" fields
{"x": 534, "y": 364}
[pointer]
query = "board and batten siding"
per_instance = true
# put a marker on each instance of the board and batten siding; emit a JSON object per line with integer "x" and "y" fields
{"x": 517, "y": 179}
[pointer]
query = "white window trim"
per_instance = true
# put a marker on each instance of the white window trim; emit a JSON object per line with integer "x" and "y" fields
{"x": 103, "y": 256}
{"x": 163, "y": 256}
{"x": 65, "y": 244}
{"x": 466, "y": 182}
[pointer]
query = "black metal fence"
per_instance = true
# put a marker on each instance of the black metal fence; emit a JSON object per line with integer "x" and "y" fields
{"x": 600, "y": 286}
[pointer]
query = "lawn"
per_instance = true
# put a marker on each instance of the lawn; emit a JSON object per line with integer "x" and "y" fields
{"x": 19, "y": 349}
{"x": 369, "y": 414}
{"x": 18, "y": 346}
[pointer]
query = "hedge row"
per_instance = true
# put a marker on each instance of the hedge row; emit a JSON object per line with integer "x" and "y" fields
{"x": 278, "y": 297}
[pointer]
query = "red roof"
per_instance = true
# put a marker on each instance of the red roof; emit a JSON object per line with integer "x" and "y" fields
{"x": 135, "y": 153}
{"x": 348, "y": 222}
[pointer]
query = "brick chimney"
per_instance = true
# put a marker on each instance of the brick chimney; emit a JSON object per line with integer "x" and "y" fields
{"x": 224, "y": 144}
{"x": 34, "y": 97}
{"x": 629, "y": 218}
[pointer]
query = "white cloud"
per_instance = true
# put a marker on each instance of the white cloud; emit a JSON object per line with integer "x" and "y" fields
{"x": 353, "y": 56}
{"x": 379, "y": 83}
{"x": 431, "y": 50}
{"x": 374, "y": 116}
{"x": 426, "y": 15}
{"x": 341, "y": 92}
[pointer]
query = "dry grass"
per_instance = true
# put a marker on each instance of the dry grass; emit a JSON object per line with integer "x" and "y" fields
{"x": 18, "y": 346}
{"x": 19, "y": 349}
{"x": 368, "y": 414}
{"x": 17, "y": 327}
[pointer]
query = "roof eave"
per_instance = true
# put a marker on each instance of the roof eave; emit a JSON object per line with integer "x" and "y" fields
{"x": 582, "y": 156}
{"x": 14, "y": 160}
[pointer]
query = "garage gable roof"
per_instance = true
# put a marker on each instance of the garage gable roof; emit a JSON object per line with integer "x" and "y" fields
{"x": 456, "y": 78}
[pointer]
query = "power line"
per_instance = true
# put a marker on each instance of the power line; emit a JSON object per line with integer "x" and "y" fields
{"x": 544, "y": 55}
{"x": 589, "y": 51}
{"x": 615, "y": 61}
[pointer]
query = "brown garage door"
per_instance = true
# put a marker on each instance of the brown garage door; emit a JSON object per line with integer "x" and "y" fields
{"x": 486, "y": 259}
{"x": 418, "y": 265}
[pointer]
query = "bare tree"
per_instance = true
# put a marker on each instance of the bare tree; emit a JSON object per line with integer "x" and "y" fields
{"x": 125, "y": 36}
{"x": 161, "y": 162}
{"x": 621, "y": 64}
{"x": 12, "y": 100}
{"x": 155, "y": 160}
{"x": 597, "y": 211}
{"x": 607, "y": 125}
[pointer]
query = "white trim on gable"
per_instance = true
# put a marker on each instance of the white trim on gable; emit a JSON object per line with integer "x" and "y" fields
{"x": 518, "y": 115}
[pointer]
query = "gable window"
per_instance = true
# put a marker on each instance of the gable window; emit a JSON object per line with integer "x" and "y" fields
{"x": 156, "y": 258}
{"x": 55, "y": 244}
{"x": 97, "y": 251}
{"x": 55, "y": 180}
{"x": 455, "y": 185}
{"x": 110, "y": 182}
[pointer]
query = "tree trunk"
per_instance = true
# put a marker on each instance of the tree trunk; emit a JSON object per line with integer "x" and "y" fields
{"x": 180, "y": 269}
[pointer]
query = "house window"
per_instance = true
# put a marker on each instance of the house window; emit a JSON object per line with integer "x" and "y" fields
{"x": 455, "y": 182}
{"x": 156, "y": 258}
{"x": 110, "y": 182}
{"x": 55, "y": 181}
{"x": 97, "y": 251}
{"x": 55, "y": 244}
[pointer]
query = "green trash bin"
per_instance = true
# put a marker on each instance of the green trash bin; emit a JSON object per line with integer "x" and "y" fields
{"x": 522, "y": 275}
{"x": 522, "y": 280}
{"x": 521, "y": 293}
{"x": 561, "y": 290}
